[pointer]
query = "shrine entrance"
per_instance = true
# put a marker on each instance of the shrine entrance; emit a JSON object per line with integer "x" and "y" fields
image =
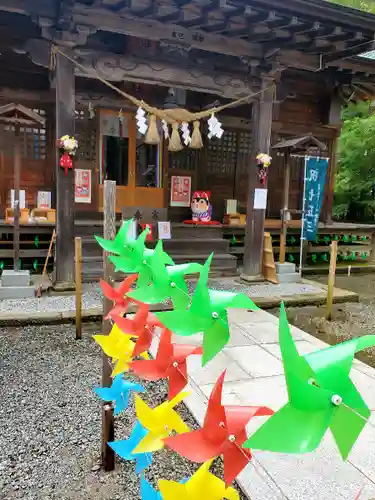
{"x": 134, "y": 165}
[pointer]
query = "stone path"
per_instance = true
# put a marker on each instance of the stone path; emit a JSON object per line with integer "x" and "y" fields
{"x": 255, "y": 377}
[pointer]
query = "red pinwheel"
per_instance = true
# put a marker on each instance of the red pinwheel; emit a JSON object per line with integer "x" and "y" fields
{"x": 170, "y": 363}
{"x": 118, "y": 295}
{"x": 223, "y": 433}
{"x": 142, "y": 326}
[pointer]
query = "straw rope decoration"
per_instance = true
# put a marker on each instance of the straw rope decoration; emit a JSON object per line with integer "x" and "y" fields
{"x": 320, "y": 392}
{"x": 177, "y": 118}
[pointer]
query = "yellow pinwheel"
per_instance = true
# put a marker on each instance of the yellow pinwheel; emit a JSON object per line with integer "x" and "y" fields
{"x": 118, "y": 346}
{"x": 160, "y": 422}
{"x": 114, "y": 342}
{"x": 202, "y": 481}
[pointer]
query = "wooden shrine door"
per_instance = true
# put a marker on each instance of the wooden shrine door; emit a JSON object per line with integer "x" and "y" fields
{"x": 127, "y": 159}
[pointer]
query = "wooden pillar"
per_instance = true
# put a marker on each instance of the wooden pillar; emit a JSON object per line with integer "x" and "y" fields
{"x": 261, "y": 142}
{"x": 65, "y": 112}
{"x": 17, "y": 208}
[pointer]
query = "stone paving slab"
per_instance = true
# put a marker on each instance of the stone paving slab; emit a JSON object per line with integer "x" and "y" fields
{"x": 255, "y": 377}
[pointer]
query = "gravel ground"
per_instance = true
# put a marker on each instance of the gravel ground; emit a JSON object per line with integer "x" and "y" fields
{"x": 92, "y": 296}
{"x": 50, "y": 420}
{"x": 351, "y": 319}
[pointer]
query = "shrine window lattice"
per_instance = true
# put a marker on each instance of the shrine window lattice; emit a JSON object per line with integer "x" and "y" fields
{"x": 222, "y": 154}
{"x": 85, "y": 133}
{"x": 33, "y": 140}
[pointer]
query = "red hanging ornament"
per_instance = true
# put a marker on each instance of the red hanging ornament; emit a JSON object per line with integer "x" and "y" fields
{"x": 66, "y": 162}
{"x": 262, "y": 175}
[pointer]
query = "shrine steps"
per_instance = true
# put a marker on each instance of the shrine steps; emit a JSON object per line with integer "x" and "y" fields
{"x": 188, "y": 244}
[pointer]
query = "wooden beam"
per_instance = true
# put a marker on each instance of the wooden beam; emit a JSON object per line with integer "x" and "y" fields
{"x": 41, "y": 8}
{"x": 65, "y": 117}
{"x": 352, "y": 50}
{"x": 155, "y": 30}
{"x": 261, "y": 130}
{"x": 120, "y": 68}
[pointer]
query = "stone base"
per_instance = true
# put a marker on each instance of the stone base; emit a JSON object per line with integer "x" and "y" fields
{"x": 251, "y": 280}
{"x": 289, "y": 278}
{"x": 285, "y": 268}
{"x": 286, "y": 273}
{"x": 15, "y": 278}
{"x": 64, "y": 286}
{"x": 17, "y": 292}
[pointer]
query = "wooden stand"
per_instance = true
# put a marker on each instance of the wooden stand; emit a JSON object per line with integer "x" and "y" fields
{"x": 108, "y": 426}
{"x": 331, "y": 280}
{"x": 269, "y": 268}
{"x": 45, "y": 214}
{"x": 10, "y": 215}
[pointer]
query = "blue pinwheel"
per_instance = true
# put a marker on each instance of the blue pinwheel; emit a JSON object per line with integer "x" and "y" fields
{"x": 119, "y": 392}
{"x": 148, "y": 492}
{"x": 125, "y": 447}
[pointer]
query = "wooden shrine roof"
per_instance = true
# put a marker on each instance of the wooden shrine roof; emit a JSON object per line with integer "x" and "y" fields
{"x": 218, "y": 46}
{"x": 299, "y": 144}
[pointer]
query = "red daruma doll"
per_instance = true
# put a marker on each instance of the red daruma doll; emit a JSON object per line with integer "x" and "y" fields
{"x": 201, "y": 207}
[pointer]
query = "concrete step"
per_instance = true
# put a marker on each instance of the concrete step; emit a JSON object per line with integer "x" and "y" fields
{"x": 187, "y": 246}
{"x": 17, "y": 292}
{"x": 15, "y": 278}
{"x": 94, "y": 274}
{"x": 289, "y": 278}
{"x": 285, "y": 268}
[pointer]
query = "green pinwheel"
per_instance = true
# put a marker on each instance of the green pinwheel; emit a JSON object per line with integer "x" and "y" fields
{"x": 207, "y": 314}
{"x": 314, "y": 257}
{"x": 292, "y": 240}
{"x": 291, "y": 258}
{"x": 321, "y": 397}
{"x": 131, "y": 254}
{"x": 142, "y": 260}
{"x": 118, "y": 246}
{"x": 327, "y": 239}
{"x": 166, "y": 281}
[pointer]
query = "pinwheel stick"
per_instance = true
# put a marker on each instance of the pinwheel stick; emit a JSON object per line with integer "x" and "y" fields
{"x": 109, "y": 230}
{"x": 331, "y": 280}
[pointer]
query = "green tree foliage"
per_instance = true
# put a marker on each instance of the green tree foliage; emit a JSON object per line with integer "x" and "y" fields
{"x": 355, "y": 178}
{"x": 366, "y": 5}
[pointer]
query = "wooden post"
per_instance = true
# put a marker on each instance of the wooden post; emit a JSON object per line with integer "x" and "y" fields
{"x": 285, "y": 212}
{"x": 331, "y": 279}
{"x": 78, "y": 279}
{"x": 108, "y": 455}
{"x": 65, "y": 117}
{"x": 261, "y": 135}
{"x": 17, "y": 209}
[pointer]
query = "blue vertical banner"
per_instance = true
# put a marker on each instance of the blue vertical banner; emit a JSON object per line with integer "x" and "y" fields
{"x": 316, "y": 172}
